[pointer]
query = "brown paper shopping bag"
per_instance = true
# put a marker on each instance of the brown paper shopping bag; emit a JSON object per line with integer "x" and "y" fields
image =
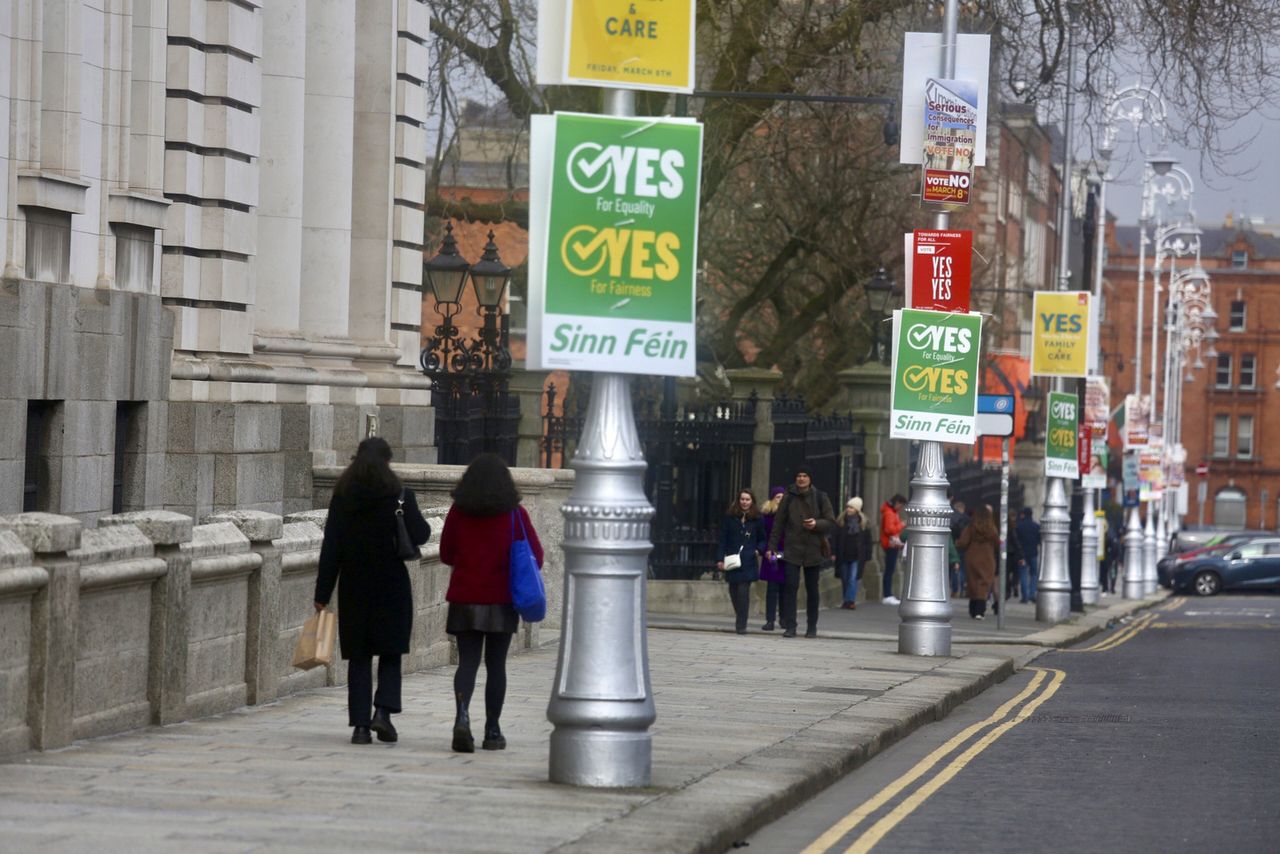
{"x": 315, "y": 644}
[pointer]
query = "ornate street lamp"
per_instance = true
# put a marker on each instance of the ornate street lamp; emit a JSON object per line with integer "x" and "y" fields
{"x": 470, "y": 374}
{"x": 880, "y": 293}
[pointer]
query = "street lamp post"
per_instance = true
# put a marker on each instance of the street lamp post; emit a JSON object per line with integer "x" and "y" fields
{"x": 465, "y": 371}
{"x": 602, "y": 700}
{"x": 926, "y": 607}
{"x": 1053, "y": 589}
{"x": 880, "y": 292}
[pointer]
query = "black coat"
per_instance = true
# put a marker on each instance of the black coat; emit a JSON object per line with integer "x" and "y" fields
{"x": 802, "y": 547}
{"x": 745, "y": 537}
{"x": 375, "y": 610}
{"x": 852, "y": 545}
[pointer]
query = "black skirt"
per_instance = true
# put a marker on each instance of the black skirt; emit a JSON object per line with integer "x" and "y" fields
{"x": 501, "y": 619}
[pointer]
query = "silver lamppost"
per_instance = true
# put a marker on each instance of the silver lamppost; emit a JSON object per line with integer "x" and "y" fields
{"x": 1053, "y": 588}
{"x": 602, "y": 702}
{"x": 926, "y": 608}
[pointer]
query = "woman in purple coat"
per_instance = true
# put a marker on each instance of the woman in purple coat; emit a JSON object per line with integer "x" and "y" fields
{"x": 770, "y": 567}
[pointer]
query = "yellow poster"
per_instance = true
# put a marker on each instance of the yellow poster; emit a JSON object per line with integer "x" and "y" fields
{"x": 633, "y": 44}
{"x": 1061, "y": 334}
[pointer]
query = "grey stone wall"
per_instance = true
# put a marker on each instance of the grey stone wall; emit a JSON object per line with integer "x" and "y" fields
{"x": 86, "y": 350}
{"x": 150, "y": 619}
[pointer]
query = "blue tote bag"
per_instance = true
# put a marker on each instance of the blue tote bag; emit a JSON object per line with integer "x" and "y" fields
{"x": 527, "y": 593}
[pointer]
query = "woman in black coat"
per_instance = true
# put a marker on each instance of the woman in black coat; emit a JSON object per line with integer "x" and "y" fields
{"x": 376, "y": 612}
{"x": 742, "y": 534}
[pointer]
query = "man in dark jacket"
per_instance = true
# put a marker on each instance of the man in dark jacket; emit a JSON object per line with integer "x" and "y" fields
{"x": 1028, "y": 534}
{"x": 804, "y": 520}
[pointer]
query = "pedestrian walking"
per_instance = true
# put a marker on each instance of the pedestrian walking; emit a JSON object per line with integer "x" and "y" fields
{"x": 1028, "y": 534}
{"x": 979, "y": 541}
{"x": 1015, "y": 565}
{"x": 771, "y": 570}
{"x": 1100, "y": 523}
{"x": 958, "y": 522}
{"x": 891, "y": 528}
{"x": 486, "y": 517}
{"x": 851, "y": 547}
{"x": 805, "y": 519}
{"x": 741, "y": 536}
{"x": 359, "y": 556}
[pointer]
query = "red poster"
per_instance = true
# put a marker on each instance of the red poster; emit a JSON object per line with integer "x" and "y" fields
{"x": 1084, "y": 449}
{"x": 941, "y": 262}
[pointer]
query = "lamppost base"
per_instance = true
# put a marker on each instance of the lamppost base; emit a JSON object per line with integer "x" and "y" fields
{"x": 1052, "y": 606}
{"x": 1133, "y": 589}
{"x": 925, "y": 637}
{"x": 600, "y": 758}
{"x": 1090, "y": 596}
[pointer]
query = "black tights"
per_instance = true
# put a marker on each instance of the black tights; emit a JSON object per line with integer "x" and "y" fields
{"x": 494, "y": 646}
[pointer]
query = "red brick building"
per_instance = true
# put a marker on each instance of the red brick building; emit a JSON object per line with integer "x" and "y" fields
{"x": 1231, "y": 406}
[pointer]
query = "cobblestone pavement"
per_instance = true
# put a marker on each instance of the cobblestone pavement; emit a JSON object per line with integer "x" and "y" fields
{"x": 747, "y": 726}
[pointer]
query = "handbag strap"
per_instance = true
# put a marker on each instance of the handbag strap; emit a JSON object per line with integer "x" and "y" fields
{"x": 515, "y": 517}
{"x": 400, "y": 504}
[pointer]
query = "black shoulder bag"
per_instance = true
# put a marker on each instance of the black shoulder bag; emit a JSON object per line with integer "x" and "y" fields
{"x": 405, "y": 549}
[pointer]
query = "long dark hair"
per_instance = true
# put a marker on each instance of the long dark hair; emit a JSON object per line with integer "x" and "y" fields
{"x": 486, "y": 488}
{"x": 735, "y": 510}
{"x": 370, "y": 470}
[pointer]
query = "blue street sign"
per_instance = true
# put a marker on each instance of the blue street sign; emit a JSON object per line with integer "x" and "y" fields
{"x": 996, "y": 404}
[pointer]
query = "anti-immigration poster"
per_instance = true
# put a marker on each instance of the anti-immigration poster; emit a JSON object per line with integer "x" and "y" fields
{"x": 950, "y": 133}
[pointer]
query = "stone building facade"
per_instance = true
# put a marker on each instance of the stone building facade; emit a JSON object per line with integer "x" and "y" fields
{"x": 211, "y": 233}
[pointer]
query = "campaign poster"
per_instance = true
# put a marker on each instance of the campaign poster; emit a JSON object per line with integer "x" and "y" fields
{"x": 950, "y": 135}
{"x": 1097, "y": 405}
{"x": 1060, "y": 446}
{"x": 1061, "y": 334}
{"x": 1137, "y": 417}
{"x": 935, "y": 376}
{"x": 940, "y": 269}
{"x": 640, "y": 44}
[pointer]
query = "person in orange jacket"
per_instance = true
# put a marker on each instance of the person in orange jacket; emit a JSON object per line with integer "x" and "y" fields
{"x": 891, "y": 528}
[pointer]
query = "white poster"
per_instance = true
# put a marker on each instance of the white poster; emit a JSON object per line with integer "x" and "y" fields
{"x": 922, "y": 59}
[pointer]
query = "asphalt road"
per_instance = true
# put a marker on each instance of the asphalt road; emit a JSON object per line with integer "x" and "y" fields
{"x": 1160, "y": 735}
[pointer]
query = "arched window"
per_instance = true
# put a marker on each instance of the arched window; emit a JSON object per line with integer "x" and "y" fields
{"x": 1229, "y": 507}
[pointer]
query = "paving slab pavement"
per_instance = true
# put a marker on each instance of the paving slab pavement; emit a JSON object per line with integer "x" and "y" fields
{"x": 748, "y": 726}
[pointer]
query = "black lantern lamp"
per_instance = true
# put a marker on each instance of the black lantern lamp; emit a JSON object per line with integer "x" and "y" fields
{"x": 490, "y": 276}
{"x": 880, "y": 294}
{"x": 447, "y": 272}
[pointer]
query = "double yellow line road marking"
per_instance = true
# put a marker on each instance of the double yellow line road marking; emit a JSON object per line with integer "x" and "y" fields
{"x": 1046, "y": 682}
{"x": 1132, "y": 630}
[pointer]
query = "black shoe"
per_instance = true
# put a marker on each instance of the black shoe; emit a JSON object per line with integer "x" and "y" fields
{"x": 493, "y": 737}
{"x": 812, "y": 633}
{"x": 360, "y": 735}
{"x": 789, "y": 633}
{"x": 767, "y": 627}
{"x": 741, "y": 631}
{"x": 463, "y": 742}
{"x": 381, "y": 725}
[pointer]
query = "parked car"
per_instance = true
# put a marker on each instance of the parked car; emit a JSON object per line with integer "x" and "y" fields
{"x": 1252, "y": 565}
{"x": 1196, "y": 537}
{"x": 1216, "y": 543}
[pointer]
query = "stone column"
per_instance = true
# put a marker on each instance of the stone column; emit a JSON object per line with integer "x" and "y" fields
{"x": 262, "y": 641}
{"x": 55, "y": 613}
{"x": 169, "y": 609}
{"x": 528, "y": 386}
{"x": 742, "y": 382}
{"x": 887, "y": 468}
{"x": 278, "y": 280}
{"x": 327, "y": 167}
{"x": 60, "y": 103}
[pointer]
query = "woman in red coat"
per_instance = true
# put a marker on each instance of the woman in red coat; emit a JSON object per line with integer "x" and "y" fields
{"x": 486, "y": 516}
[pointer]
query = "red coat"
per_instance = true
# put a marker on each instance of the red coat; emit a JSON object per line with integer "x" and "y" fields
{"x": 479, "y": 549}
{"x": 891, "y": 525}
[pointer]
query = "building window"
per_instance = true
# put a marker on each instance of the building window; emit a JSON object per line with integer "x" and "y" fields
{"x": 1244, "y": 437}
{"x": 1035, "y": 178}
{"x": 1240, "y": 259}
{"x": 1221, "y": 435}
{"x": 135, "y": 256}
{"x": 1237, "y": 316}
{"x": 35, "y": 476}
{"x": 1222, "y": 376}
{"x": 1229, "y": 509}
{"x": 48, "y": 245}
{"x": 1248, "y": 371}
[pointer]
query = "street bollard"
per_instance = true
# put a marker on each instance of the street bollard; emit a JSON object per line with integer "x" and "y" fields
{"x": 1133, "y": 564}
{"x": 1053, "y": 589}
{"x": 1149, "y": 551}
{"x": 1090, "y": 592}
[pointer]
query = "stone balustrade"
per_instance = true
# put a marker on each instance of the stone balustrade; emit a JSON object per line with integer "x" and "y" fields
{"x": 150, "y": 618}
